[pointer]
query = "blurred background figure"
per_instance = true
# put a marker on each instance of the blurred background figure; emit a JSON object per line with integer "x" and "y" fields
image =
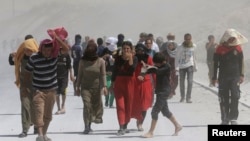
{"x": 85, "y": 43}
{"x": 120, "y": 38}
{"x": 170, "y": 38}
{"x": 155, "y": 47}
{"x": 100, "y": 46}
{"x": 111, "y": 44}
{"x": 109, "y": 62}
{"x": 76, "y": 54}
{"x": 142, "y": 37}
{"x": 210, "y": 48}
{"x": 159, "y": 41}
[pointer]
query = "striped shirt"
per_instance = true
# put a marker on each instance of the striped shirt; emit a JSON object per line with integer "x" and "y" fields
{"x": 44, "y": 72}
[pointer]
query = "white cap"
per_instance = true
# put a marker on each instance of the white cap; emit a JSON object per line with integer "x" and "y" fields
{"x": 111, "y": 40}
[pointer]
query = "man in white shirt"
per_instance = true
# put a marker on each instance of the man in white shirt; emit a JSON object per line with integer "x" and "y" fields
{"x": 185, "y": 64}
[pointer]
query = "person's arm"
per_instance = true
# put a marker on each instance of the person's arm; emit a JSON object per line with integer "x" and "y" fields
{"x": 79, "y": 78}
{"x": 28, "y": 80}
{"x": 130, "y": 58}
{"x": 28, "y": 73}
{"x": 156, "y": 47}
{"x": 114, "y": 73}
{"x": 216, "y": 67}
{"x": 163, "y": 70}
{"x": 114, "y": 70}
{"x": 103, "y": 77}
{"x": 207, "y": 46}
{"x": 11, "y": 58}
{"x": 103, "y": 73}
{"x": 69, "y": 66}
{"x": 195, "y": 63}
{"x": 177, "y": 58}
{"x": 71, "y": 52}
{"x": 79, "y": 52}
{"x": 242, "y": 68}
{"x": 133, "y": 61}
{"x": 63, "y": 44}
{"x": 72, "y": 78}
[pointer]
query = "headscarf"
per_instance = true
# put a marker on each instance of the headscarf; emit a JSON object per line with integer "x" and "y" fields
{"x": 141, "y": 57}
{"x": 239, "y": 38}
{"x": 172, "y": 53}
{"x": 90, "y": 53}
{"x": 112, "y": 43}
{"x": 30, "y": 44}
{"x": 221, "y": 49}
{"x": 62, "y": 33}
{"x": 44, "y": 42}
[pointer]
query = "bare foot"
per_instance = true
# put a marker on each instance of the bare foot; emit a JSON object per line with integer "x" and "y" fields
{"x": 62, "y": 111}
{"x": 177, "y": 130}
{"x": 148, "y": 135}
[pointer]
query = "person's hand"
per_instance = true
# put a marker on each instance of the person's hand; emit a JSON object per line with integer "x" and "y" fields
{"x": 52, "y": 32}
{"x": 195, "y": 69}
{"x": 109, "y": 73}
{"x": 128, "y": 55}
{"x": 78, "y": 91}
{"x": 17, "y": 84}
{"x": 72, "y": 78}
{"x": 143, "y": 63}
{"x": 241, "y": 79}
{"x": 104, "y": 90}
{"x": 141, "y": 78}
{"x": 111, "y": 88}
{"x": 177, "y": 72}
{"x": 214, "y": 82}
{"x": 210, "y": 44}
{"x": 13, "y": 54}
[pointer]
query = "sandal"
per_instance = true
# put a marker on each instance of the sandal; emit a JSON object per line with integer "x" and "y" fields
{"x": 22, "y": 135}
{"x": 58, "y": 113}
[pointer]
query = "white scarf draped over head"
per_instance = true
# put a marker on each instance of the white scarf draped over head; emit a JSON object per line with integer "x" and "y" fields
{"x": 172, "y": 53}
{"x": 229, "y": 33}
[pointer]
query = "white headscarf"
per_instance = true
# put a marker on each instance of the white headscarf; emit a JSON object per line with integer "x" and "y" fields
{"x": 112, "y": 43}
{"x": 240, "y": 39}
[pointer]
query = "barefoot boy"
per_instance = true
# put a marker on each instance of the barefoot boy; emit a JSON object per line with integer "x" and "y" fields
{"x": 162, "y": 90}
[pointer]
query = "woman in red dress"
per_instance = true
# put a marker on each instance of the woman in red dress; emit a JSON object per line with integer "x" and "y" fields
{"x": 143, "y": 87}
{"x": 123, "y": 84}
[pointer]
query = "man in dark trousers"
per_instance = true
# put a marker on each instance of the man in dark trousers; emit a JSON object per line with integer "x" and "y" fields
{"x": 228, "y": 63}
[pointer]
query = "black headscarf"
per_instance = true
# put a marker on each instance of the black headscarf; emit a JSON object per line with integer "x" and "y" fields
{"x": 90, "y": 53}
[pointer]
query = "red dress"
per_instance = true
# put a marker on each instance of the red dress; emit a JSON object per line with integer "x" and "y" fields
{"x": 123, "y": 78}
{"x": 143, "y": 92}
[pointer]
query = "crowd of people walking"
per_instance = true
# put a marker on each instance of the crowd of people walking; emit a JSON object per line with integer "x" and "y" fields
{"x": 133, "y": 77}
